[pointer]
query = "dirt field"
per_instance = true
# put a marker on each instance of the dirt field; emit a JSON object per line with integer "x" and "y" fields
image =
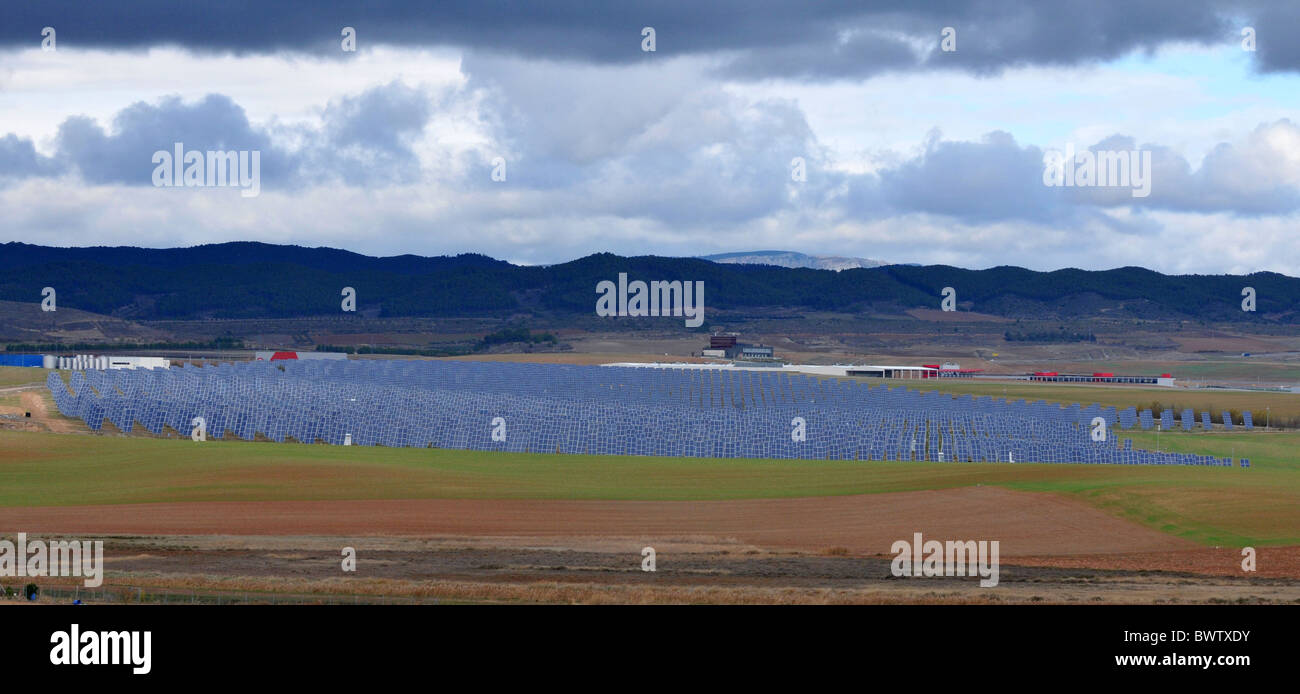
{"x": 1024, "y": 523}
{"x": 20, "y": 401}
{"x": 795, "y": 551}
{"x": 833, "y": 548}
{"x": 609, "y": 570}
{"x": 1271, "y": 562}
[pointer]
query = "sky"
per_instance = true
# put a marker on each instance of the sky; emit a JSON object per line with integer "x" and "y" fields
{"x": 542, "y": 132}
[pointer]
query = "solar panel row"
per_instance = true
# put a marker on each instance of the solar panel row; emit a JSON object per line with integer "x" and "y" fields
{"x": 600, "y": 410}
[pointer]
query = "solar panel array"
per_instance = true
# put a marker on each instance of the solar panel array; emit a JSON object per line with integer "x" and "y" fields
{"x": 597, "y": 410}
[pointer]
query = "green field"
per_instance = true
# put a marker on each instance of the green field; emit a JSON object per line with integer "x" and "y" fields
{"x": 1284, "y": 406}
{"x": 1276, "y": 450}
{"x": 20, "y": 376}
{"x": 1214, "y": 506}
{"x": 1244, "y": 370}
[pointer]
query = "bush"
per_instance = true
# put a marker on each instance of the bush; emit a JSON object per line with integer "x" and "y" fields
{"x": 508, "y": 335}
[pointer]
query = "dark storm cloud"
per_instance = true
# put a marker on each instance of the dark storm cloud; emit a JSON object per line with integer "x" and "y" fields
{"x": 760, "y": 38}
{"x": 1275, "y": 25}
{"x": 828, "y": 54}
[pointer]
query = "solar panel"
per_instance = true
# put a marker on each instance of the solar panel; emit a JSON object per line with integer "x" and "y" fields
{"x": 600, "y": 410}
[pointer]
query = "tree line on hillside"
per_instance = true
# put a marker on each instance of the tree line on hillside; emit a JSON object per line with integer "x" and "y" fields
{"x": 220, "y": 343}
{"x": 251, "y": 284}
{"x": 504, "y": 336}
{"x": 1048, "y": 336}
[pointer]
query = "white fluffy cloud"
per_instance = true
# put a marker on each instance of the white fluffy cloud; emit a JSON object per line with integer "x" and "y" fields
{"x": 390, "y": 152}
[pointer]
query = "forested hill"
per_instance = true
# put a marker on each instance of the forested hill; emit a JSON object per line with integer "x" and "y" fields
{"x": 260, "y": 280}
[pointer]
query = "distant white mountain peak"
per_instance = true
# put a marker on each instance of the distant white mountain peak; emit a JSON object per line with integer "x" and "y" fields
{"x": 794, "y": 259}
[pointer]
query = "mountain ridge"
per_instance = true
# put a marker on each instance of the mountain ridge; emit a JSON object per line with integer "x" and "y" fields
{"x": 253, "y": 280}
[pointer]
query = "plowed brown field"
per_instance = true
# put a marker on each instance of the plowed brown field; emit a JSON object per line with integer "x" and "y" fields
{"x": 1025, "y": 524}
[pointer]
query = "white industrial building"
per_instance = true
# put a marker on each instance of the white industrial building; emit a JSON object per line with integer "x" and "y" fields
{"x": 138, "y": 363}
{"x": 91, "y": 362}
